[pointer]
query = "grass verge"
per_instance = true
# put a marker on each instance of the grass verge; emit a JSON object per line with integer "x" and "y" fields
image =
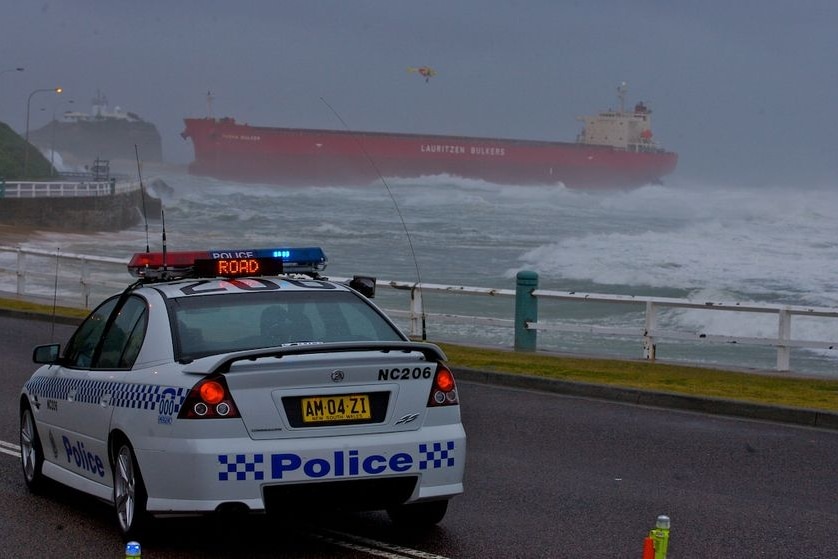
{"x": 757, "y": 387}
{"x": 23, "y": 306}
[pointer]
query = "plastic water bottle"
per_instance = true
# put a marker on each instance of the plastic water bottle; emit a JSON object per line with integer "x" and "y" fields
{"x": 661, "y": 536}
{"x": 132, "y": 549}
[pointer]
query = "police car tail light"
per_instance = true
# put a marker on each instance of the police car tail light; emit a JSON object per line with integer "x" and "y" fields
{"x": 444, "y": 389}
{"x": 227, "y": 263}
{"x": 209, "y": 399}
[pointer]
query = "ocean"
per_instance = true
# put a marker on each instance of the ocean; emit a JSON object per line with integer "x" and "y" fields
{"x": 721, "y": 243}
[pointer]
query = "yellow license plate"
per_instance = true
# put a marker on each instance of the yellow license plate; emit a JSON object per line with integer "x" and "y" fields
{"x": 353, "y": 407}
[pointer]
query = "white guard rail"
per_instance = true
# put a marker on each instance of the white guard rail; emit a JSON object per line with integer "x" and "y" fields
{"x": 651, "y": 333}
{"x": 75, "y": 279}
{"x": 57, "y": 189}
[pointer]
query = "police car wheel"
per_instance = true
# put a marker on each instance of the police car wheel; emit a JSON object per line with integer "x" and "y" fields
{"x": 129, "y": 493}
{"x": 418, "y": 515}
{"x": 31, "y": 453}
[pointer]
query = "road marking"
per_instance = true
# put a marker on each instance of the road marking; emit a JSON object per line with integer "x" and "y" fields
{"x": 372, "y": 547}
{"x": 356, "y": 547}
{"x": 10, "y": 449}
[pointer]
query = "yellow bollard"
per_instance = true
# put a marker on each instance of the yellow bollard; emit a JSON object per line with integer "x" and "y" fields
{"x": 660, "y": 536}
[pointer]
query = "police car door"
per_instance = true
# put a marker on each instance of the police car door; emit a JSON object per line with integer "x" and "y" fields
{"x": 96, "y": 366}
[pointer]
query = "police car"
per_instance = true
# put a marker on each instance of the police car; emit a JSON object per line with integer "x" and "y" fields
{"x": 243, "y": 381}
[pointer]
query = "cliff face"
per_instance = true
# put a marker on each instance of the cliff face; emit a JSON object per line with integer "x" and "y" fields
{"x": 103, "y": 138}
{"x": 13, "y": 156}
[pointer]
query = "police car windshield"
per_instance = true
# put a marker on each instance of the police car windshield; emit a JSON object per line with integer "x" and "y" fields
{"x": 212, "y": 324}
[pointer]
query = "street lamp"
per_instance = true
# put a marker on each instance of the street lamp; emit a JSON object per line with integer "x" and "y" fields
{"x": 28, "y": 104}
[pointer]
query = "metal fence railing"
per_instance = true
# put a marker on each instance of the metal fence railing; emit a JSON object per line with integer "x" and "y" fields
{"x": 61, "y": 189}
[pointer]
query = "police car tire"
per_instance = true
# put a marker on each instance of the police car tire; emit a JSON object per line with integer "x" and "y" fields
{"x": 31, "y": 453}
{"x": 418, "y": 515}
{"x": 126, "y": 472}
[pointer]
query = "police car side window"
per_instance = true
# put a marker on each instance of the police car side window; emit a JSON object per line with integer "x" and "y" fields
{"x": 82, "y": 345}
{"x": 124, "y": 338}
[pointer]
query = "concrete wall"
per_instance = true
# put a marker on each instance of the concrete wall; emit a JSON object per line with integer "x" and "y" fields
{"x": 79, "y": 214}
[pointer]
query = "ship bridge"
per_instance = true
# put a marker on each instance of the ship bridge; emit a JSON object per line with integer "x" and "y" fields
{"x": 621, "y": 129}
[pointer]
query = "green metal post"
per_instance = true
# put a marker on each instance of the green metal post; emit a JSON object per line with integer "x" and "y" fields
{"x": 526, "y": 310}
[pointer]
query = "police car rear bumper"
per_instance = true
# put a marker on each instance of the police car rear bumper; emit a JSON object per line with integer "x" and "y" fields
{"x": 201, "y": 475}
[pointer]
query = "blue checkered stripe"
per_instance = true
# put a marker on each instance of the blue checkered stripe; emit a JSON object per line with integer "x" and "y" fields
{"x": 436, "y": 456}
{"x": 123, "y": 394}
{"x": 241, "y": 467}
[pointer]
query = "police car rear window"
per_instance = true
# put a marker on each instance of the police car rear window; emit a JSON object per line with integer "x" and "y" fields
{"x": 207, "y": 325}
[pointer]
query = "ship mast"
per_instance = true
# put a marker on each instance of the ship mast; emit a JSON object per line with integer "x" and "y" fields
{"x": 622, "y": 89}
{"x": 209, "y": 104}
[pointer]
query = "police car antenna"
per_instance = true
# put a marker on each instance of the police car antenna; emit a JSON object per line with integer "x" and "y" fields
{"x": 142, "y": 195}
{"x": 163, "y": 220}
{"x": 54, "y": 295}
{"x": 398, "y": 211}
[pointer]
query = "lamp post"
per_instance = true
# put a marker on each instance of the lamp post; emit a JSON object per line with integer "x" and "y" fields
{"x": 52, "y": 141}
{"x": 28, "y": 104}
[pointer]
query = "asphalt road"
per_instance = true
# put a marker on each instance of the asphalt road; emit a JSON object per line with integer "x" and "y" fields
{"x": 548, "y": 475}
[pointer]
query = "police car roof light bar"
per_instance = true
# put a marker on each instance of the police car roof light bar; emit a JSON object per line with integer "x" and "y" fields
{"x": 174, "y": 265}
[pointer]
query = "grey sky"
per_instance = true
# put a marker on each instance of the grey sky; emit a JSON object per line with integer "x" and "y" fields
{"x": 744, "y": 91}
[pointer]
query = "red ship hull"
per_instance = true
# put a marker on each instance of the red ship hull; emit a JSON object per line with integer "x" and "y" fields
{"x": 227, "y": 150}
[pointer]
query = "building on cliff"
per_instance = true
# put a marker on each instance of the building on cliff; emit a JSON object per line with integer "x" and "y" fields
{"x": 104, "y": 133}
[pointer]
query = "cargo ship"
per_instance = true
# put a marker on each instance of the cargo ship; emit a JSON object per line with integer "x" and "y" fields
{"x": 615, "y": 149}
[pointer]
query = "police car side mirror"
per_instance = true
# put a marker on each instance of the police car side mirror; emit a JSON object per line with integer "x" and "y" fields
{"x": 364, "y": 285}
{"x": 46, "y": 354}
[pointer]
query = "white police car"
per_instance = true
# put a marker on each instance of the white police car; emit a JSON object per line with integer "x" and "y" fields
{"x": 240, "y": 380}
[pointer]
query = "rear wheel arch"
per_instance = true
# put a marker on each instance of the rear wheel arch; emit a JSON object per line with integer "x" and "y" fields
{"x": 116, "y": 437}
{"x": 129, "y": 494}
